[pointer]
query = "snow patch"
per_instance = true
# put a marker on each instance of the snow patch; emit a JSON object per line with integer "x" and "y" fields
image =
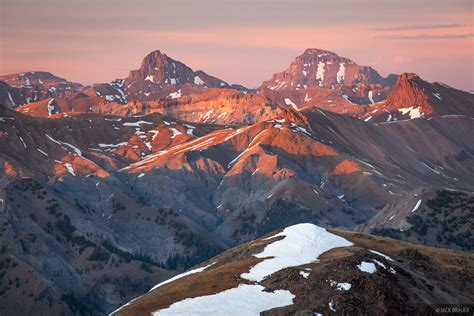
{"x": 69, "y": 168}
{"x": 190, "y": 130}
{"x": 176, "y": 277}
{"x": 27, "y": 82}
{"x": 245, "y": 299}
{"x": 154, "y": 134}
{"x": 382, "y": 255}
{"x": 74, "y": 148}
{"x": 182, "y": 275}
{"x": 175, "y": 95}
{"x": 150, "y": 78}
{"x": 113, "y": 145}
{"x": 23, "y": 142}
{"x": 302, "y": 244}
{"x": 11, "y": 99}
{"x": 367, "y": 267}
{"x": 380, "y": 264}
{"x": 416, "y": 206}
{"x": 320, "y": 73}
{"x": 113, "y": 119}
{"x": 174, "y": 132}
{"x": 289, "y": 102}
{"x": 304, "y": 274}
{"x": 343, "y": 286}
{"x": 136, "y": 124}
{"x": 346, "y": 97}
{"x": 198, "y": 81}
{"x": 370, "y": 95}
{"x": 51, "y": 107}
{"x": 436, "y": 95}
{"x": 412, "y": 112}
{"x": 41, "y": 151}
{"x": 341, "y": 73}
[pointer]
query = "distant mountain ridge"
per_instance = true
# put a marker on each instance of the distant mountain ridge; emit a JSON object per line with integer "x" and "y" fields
{"x": 316, "y": 79}
{"x": 26, "y": 87}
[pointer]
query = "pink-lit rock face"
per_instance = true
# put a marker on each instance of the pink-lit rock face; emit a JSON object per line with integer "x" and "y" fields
{"x": 413, "y": 97}
{"x": 322, "y": 68}
{"x": 159, "y": 75}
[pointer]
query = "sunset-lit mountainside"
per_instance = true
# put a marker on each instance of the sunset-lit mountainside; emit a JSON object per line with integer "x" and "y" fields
{"x": 109, "y": 189}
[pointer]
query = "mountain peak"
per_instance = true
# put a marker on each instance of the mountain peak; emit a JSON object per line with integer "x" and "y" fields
{"x": 323, "y": 68}
{"x": 155, "y": 53}
{"x": 412, "y": 97}
{"x": 409, "y": 97}
{"x": 408, "y": 76}
{"x": 158, "y": 68}
{"x": 317, "y": 51}
{"x": 410, "y": 83}
{"x": 155, "y": 57}
{"x": 317, "y": 54}
{"x": 160, "y": 75}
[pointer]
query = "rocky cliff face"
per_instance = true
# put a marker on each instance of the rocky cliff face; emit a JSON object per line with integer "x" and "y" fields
{"x": 317, "y": 67}
{"x": 158, "y": 72}
{"x": 323, "y": 79}
{"x": 412, "y": 97}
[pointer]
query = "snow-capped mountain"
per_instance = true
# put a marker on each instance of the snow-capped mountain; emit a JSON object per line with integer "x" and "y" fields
{"x": 307, "y": 269}
{"x": 322, "y": 68}
{"x": 159, "y": 75}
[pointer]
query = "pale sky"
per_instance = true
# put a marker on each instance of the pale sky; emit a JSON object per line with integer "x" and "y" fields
{"x": 238, "y": 41}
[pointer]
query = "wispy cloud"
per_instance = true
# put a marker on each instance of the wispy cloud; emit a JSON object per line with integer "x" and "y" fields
{"x": 426, "y": 36}
{"x": 417, "y": 27}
